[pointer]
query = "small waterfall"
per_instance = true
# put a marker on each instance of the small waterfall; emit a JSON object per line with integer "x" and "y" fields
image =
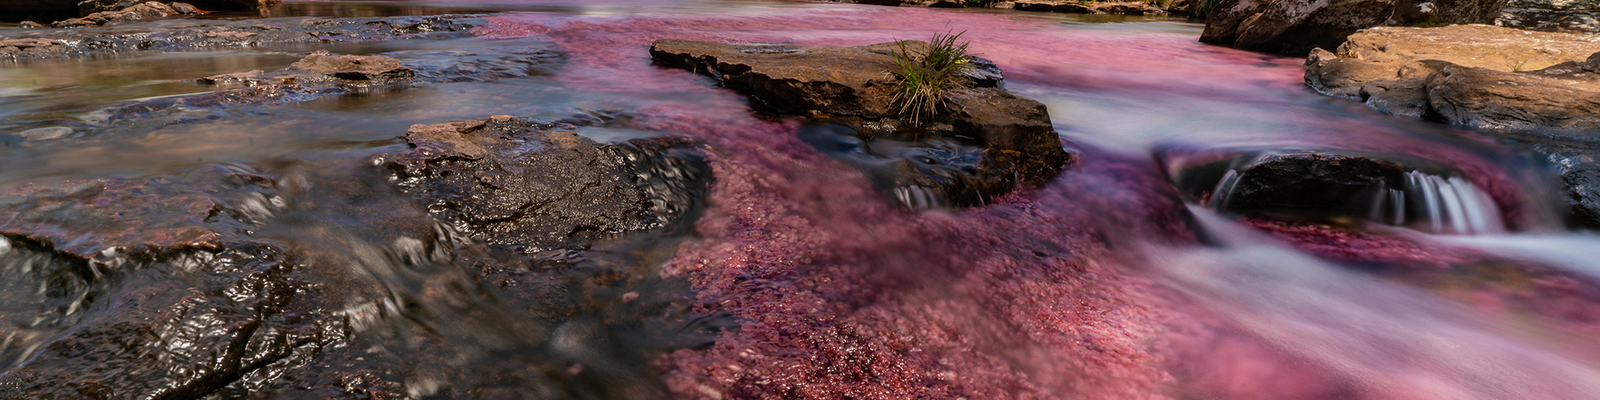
{"x": 1423, "y": 201}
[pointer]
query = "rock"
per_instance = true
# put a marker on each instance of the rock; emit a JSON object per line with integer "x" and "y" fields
{"x": 1294, "y": 27}
{"x": 134, "y": 12}
{"x": 506, "y": 182}
{"x": 1551, "y": 16}
{"x": 47, "y": 133}
{"x": 29, "y": 25}
{"x": 1096, "y": 7}
{"x": 185, "y": 8}
{"x": 377, "y": 69}
{"x": 1311, "y": 182}
{"x": 854, "y": 82}
{"x": 1469, "y": 75}
{"x": 948, "y": 4}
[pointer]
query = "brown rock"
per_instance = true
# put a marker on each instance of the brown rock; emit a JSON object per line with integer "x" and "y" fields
{"x": 355, "y": 68}
{"x": 1016, "y": 132}
{"x": 185, "y": 8}
{"x": 1294, "y": 27}
{"x": 29, "y": 25}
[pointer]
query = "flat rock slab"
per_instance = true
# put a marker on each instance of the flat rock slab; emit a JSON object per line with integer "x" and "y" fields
{"x": 1015, "y": 132}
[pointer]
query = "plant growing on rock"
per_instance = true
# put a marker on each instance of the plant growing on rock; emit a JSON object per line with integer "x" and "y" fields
{"x": 927, "y": 74}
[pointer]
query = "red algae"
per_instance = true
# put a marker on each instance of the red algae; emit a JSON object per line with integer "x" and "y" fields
{"x": 1046, "y": 294}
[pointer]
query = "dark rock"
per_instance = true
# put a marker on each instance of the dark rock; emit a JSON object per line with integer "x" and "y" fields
{"x": 1551, "y": 16}
{"x": 506, "y": 182}
{"x": 1097, "y": 7}
{"x": 948, "y": 4}
{"x": 854, "y": 82}
{"x": 880, "y": 2}
{"x": 1294, "y": 27}
{"x": 1333, "y": 183}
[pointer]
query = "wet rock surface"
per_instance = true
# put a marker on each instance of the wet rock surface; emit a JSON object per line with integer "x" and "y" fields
{"x": 1013, "y": 133}
{"x": 505, "y": 181}
{"x": 1093, "y": 7}
{"x": 219, "y": 34}
{"x": 1539, "y": 90}
{"x": 125, "y": 12}
{"x": 1295, "y": 27}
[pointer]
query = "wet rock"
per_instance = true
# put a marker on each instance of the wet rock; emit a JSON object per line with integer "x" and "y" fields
{"x": 1071, "y": 7}
{"x": 507, "y": 182}
{"x": 1323, "y": 182}
{"x": 29, "y": 25}
{"x": 24, "y": 47}
{"x": 47, "y": 133}
{"x": 376, "y": 69}
{"x": 1294, "y": 27}
{"x": 1015, "y": 132}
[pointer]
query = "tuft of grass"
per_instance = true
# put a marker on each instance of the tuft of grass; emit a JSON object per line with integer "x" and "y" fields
{"x": 926, "y": 75}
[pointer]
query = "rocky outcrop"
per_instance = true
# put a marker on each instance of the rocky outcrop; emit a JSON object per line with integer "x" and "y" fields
{"x": 1505, "y": 81}
{"x": 1572, "y": 16}
{"x": 1294, "y": 27}
{"x": 1473, "y": 75}
{"x": 132, "y": 12}
{"x": 1013, "y": 133}
{"x": 507, "y": 182}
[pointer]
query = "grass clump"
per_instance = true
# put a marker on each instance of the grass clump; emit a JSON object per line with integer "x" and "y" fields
{"x": 927, "y": 74}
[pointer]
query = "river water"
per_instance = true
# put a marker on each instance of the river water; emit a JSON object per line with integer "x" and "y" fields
{"x": 1101, "y": 283}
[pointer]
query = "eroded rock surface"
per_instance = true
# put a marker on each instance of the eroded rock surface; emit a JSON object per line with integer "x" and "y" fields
{"x": 1013, "y": 133}
{"x": 1294, "y": 27}
{"x": 1573, "y": 16}
{"x": 506, "y": 181}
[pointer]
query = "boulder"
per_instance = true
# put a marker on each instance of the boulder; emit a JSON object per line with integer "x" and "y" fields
{"x": 1551, "y": 16}
{"x": 1470, "y": 75}
{"x": 507, "y": 182}
{"x": 855, "y": 82}
{"x": 1294, "y": 27}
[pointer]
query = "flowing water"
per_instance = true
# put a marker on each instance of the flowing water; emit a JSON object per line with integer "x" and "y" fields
{"x": 799, "y": 279}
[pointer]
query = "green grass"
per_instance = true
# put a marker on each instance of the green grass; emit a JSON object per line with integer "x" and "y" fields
{"x": 926, "y": 75}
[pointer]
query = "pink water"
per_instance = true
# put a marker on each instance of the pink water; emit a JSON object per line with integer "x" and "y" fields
{"x": 1093, "y": 285}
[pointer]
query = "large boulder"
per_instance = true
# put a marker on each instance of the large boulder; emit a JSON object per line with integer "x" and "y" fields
{"x": 1014, "y": 133}
{"x": 1294, "y": 27}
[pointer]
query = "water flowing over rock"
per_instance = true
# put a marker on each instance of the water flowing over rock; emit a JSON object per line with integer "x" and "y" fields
{"x": 1294, "y": 27}
{"x": 1483, "y": 77}
{"x": 66, "y": 43}
{"x": 1014, "y": 132}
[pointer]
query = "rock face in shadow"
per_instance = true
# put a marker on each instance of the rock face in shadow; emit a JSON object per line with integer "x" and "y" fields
{"x": 1014, "y": 133}
{"x": 505, "y": 181}
{"x": 1294, "y": 27}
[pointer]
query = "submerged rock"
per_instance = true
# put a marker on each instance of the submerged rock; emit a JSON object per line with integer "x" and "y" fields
{"x": 1014, "y": 133}
{"x": 1294, "y": 27}
{"x": 507, "y": 182}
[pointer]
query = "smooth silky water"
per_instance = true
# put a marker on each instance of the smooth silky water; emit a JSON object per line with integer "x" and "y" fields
{"x": 1097, "y": 284}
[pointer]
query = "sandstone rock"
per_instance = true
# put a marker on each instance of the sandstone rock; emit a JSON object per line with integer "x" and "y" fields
{"x": 855, "y": 82}
{"x": 378, "y": 69}
{"x": 1294, "y": 27}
